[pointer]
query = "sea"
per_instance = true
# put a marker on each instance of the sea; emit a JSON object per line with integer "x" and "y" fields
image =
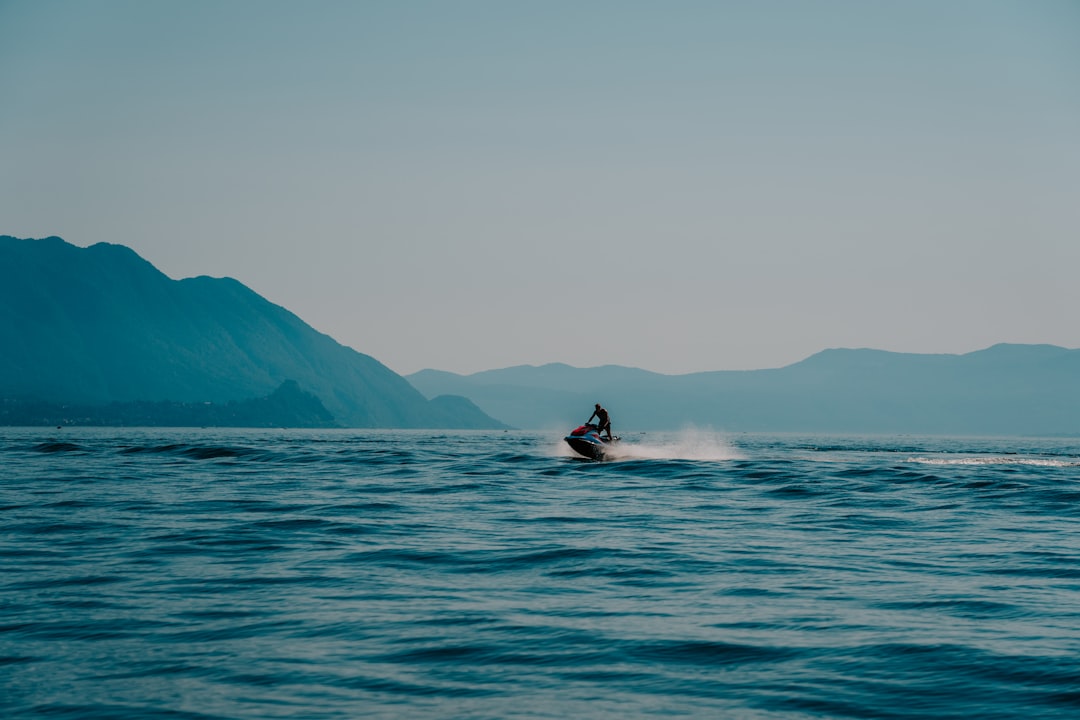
{"x": 209, "y": 573}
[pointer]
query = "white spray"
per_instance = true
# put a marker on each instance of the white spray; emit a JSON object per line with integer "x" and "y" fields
{"x": 689, "y": 444}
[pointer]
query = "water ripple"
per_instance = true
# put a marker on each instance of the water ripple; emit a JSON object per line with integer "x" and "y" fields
{"x": 336, "y": 574}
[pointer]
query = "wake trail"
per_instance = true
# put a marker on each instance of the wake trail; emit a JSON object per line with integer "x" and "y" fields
{"x": 689, "y": 444}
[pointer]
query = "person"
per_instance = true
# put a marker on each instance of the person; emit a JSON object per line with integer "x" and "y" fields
{"x": 602, "y": 421}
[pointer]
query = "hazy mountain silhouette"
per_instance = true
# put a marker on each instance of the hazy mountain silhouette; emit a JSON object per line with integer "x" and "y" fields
{"x": 100, "y": 325}
{"x": 1003, "y": 390}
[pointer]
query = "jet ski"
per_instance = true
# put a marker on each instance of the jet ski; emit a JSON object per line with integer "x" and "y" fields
{"x": 586, "y": 441}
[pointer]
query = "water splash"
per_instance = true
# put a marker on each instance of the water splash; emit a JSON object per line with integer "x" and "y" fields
{"x": 689, "y": 444}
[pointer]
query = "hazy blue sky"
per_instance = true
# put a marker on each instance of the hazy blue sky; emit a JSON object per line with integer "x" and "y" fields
{"x": 677, "y": 186}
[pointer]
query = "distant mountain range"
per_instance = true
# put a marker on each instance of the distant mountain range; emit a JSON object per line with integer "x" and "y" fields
{"x": 101, "y": 335}
{"x": 1003, "y": 390}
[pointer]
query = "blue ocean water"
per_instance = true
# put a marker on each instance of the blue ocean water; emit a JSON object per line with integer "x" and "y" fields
{"x": 343, "y": 574}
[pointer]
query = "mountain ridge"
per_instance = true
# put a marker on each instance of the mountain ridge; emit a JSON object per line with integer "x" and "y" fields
{"x": 1005, "y": 389}
{"x": 102, "y": 325}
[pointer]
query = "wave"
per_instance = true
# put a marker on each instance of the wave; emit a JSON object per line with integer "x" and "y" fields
{"x": 200, "y": 452}
{"x": 58, "y": 447}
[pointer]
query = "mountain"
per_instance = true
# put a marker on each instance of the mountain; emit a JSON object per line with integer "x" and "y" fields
{"x": 1002, "y": 390}
{"x": 100, "y": 325}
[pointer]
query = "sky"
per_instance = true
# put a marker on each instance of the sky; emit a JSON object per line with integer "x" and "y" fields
{"x": 677, "y": 186}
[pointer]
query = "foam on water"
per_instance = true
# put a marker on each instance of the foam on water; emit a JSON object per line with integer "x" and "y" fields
{"x": 998, "y": 460}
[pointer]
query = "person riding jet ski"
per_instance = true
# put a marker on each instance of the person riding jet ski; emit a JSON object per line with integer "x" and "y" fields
{"x": 602, "y": 421}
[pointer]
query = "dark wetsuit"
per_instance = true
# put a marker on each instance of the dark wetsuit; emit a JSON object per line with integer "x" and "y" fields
{"x": 602, "y": 421}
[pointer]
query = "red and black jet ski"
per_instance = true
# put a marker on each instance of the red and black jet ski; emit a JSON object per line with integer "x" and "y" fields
{"x": 586, "y": 441}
